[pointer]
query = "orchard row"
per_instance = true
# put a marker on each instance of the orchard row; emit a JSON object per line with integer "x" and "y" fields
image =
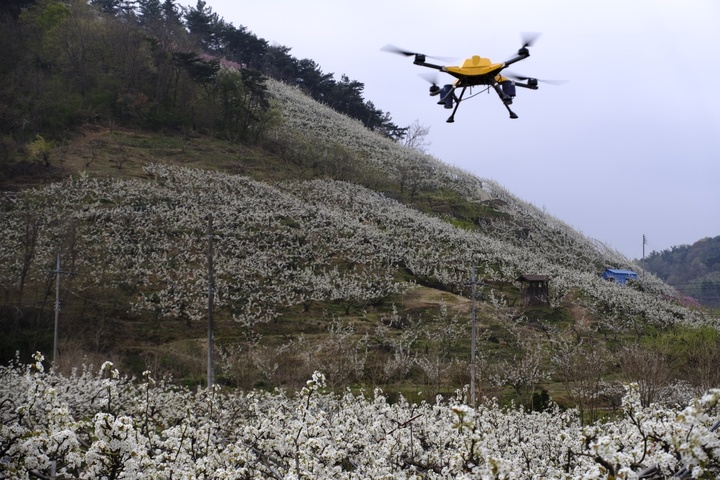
{"x": 97, "y": 424}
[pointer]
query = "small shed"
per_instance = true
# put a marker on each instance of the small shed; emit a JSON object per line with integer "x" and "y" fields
{"x": 534, "y": 290}
{"x": 619, "y": 276}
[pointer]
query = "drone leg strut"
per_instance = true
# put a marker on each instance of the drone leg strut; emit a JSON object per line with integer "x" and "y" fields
{"x": 512, "y": 114}
{"x": 504, "y": 98}
{"x": 451, "y": 118}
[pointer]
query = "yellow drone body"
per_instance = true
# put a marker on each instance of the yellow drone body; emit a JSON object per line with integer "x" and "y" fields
{"x": 474, "y": 66}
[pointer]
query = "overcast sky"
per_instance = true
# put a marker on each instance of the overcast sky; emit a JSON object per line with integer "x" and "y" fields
{"x": 629, "y": 146}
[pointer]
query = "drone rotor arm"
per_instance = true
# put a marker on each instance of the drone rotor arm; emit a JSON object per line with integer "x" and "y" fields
{"x": 522, "y": 55}
{"x": 431, "y": 65}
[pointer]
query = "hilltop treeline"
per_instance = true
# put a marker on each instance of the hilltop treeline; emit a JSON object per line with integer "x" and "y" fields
{"x": 147, "y": 64}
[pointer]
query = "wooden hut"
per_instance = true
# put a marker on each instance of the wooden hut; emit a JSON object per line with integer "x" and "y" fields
{"x": 534, "y": 290}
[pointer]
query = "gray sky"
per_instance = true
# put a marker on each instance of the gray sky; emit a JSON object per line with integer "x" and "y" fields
{"x": 628, "y": 146}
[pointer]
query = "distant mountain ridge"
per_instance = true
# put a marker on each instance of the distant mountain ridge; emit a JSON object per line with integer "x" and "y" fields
{"x": 693, "y": 269}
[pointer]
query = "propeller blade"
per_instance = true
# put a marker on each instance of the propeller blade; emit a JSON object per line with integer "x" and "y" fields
{"x": 529, "y": 38}
{"x": 401, "y": 51}
{"x": 522, "y": 78}
{"x": 430, "y": 77}
{"x": 398, "y": 50}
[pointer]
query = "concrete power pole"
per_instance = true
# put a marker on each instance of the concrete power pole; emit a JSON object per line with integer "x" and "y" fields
{"x": 57, "y": 311}
{"x": 211, "y": 298}
{"x": 643, "y": 257}
{"x": 473, "y": 337}
{"x": 56, "y": 336}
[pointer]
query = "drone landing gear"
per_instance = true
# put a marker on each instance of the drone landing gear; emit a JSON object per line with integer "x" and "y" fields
{"x": 447, "y": 98}
{"x": 507, "y": 100}
{"x": 512, "y": 114}
{"x": 451, "y": 118}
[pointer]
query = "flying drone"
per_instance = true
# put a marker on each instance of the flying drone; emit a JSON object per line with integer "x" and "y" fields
{"x": 476, "y": 71}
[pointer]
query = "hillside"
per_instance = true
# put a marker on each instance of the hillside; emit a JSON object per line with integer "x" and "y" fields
{"x": 332, "y": 246}
{"x": 693, "y": 269}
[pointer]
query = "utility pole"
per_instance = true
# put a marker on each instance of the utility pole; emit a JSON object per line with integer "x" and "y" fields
{"x": 644, "y": 243}
{"x": 57, "y": 311}
{"x": 643, "y": 257}
{"x": 211, "y": 297}
{"x": 58, "y": 271}
{"x": 473, "y": 335}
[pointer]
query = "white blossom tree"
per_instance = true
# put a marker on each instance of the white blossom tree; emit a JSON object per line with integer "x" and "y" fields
{"x": 101, "y": 424}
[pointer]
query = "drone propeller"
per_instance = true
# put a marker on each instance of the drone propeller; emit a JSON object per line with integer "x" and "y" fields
{"x": 529, "y": 38}
{"x": 407, "y": 53}
{"x": 432, "y": 79}
{"x": 524, "y": 78}
{"x": 398, "y": 50}
{"x": 429, "y": 77}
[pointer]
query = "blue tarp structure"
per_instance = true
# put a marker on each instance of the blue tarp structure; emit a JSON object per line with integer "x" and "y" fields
{"x": 619, "y": 276}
